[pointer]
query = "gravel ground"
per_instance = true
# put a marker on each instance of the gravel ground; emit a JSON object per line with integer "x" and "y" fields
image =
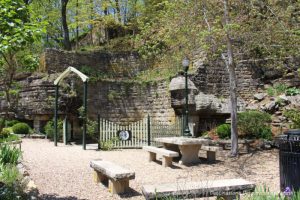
{"x": 63, "y": 172}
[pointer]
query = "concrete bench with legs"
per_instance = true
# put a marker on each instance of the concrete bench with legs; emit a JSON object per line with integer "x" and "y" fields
{"x": 211, "y": 152}
{"x": 243, "y": 142}
{"x": 167, "y": 155}
{"x": 117, "y": 176}
{"x": 228, "y": 189}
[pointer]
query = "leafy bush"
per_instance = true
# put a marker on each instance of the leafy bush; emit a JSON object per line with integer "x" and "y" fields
{"x": 10, "y": 138}
{"x": 108, "y": 144}
{"x": 294, "y": 116}
{"x": 292, "y": 91}
{"x": 5, "y": 132}
{"x": 10, "y": 123}
{"x": 9, "y": 155}
{"x": 13, "y": 186}
{"x": 49, "y": 129}
{"x": 21, "y": 128}
{"x": 9, "y": 174}
{"x": 224, "y": 131}
{"x": 265, "y": 133}
{"x": 254, "y": 124}
{"x": 277, "y": 89}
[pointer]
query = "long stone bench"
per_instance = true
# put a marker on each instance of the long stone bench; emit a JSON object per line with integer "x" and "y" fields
{"x": 117, "y": 176}
{"x": 228, "y": 189}
{"x": 167, "y": 155}
{"x": 211, "y": 152}
{"x": 244, "y": 142}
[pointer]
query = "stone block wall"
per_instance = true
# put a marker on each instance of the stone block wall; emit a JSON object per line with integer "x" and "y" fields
{"x": 128, "y": 102}
{"x": 114, "y": 65}
{"x": 252, "y": 75}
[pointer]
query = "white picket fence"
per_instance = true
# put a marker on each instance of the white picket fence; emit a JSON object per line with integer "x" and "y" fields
{"x": 139, "y": 132}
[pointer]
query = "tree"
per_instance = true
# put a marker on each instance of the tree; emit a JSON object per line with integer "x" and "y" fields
{"x": 67, "y": 43}
{"x": 16, "y": 31}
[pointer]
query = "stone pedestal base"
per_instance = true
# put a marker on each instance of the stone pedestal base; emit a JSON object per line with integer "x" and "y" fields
{"x": 118, "y": 187}
{"x": 189, "y": 154}
{"x": 152, "y": 156}
{"x": 211, "y": 156}
{"x": 167, "y": 161}
{"x": 98, "y": 177}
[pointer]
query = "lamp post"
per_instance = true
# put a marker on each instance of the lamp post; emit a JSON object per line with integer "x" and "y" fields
{"x": 185, "y": 64}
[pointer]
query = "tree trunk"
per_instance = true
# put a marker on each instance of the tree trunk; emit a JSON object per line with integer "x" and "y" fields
{"x": 77, "y": 27}
{"x": 230, "y": 64}
{"x": 67, "y": 44}
{"x": 118, "y": 10}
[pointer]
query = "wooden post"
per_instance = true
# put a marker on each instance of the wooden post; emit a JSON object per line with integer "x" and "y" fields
{"x": 98, "y": 127}
{"x": 56, "y": 114}
{"x": 148, "y": 130}
{"x": 84, "y": 115}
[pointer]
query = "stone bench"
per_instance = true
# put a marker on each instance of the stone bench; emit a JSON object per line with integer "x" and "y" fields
{"x": 228, "y": 189}
{"x": 244, "y": 143}
{"x": 117, "y": 176}
{"x": 211, "y": 152}
{"x": 167, "y": 155}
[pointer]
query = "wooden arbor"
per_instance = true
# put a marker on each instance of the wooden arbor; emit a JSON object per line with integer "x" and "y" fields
{"x": 84, "y": 79}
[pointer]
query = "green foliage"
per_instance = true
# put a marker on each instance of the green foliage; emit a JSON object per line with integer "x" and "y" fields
{"x": 13, "y": 188}
{"x": 10, "y": 123}
{"x": 224, "y": 131}
{"x": 9, "y": 173}
{"x": 292, "y": 91}
{"x": 9, "y": 155}
{"x": 49, "y": 129}
{"x": 10, "y": 138}
{"x": 263, "y": 193}
{"x": 5, "y": 132}
{"x": 271, "y": 91}
{"x": 255, "y": 124}
{"x": 294, "y": 116}
{"x": 16, "y": 28}
{"x": 277, "y": 89}
{"x": 108, "y": 145}
{"x": 21, "y": 128}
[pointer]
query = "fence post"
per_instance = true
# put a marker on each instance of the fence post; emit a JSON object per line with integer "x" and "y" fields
{"x": 98, "y": 127}
{"x": 148, "y": 130}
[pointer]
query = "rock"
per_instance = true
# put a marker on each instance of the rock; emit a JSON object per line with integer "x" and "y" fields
{"x": 260, "y": 96}
{"x": 252, "y": 107}
{"x": 278, "y": 113}
{"x": 294, "y": 101}
{"x": 283, "y": 98}
{"x": 271, "y": 106}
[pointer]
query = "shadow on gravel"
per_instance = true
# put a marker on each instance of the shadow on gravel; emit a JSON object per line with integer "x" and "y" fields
{"x": 130, "y": 193}
{"x": 55, "y": 197}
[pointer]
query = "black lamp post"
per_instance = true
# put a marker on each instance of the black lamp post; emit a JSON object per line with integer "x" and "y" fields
{"x": 185, "y": 64}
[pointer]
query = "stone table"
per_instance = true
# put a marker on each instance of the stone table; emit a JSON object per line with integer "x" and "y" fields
{"x": 186, "y": 146}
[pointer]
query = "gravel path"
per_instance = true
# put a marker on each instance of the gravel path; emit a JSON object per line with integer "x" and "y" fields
{"x": 63, "y": 172}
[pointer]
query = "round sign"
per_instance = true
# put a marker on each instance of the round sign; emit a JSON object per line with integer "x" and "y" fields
{"x": 124, "y": 135}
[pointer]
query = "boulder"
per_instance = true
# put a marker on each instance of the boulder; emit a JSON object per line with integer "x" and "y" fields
{"x": 271, "y": 106}
{"x": 260, "y": 96}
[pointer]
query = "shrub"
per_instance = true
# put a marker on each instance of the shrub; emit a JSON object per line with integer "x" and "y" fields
{"x": 11, "y": 123}
{"x": 294, "y": 116}
{"x": 5, "y": 132}
{"x": 9, "y": 155}
{"x": 224, "y": 131}
{"x": 49, "y": 129}
{"x": 292, "y": 91}
{"x": 108, "y": 145}
{"x": 21, "y": 128}
{"x": 253, "y": 123}
{"x": 265, "y": 133}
